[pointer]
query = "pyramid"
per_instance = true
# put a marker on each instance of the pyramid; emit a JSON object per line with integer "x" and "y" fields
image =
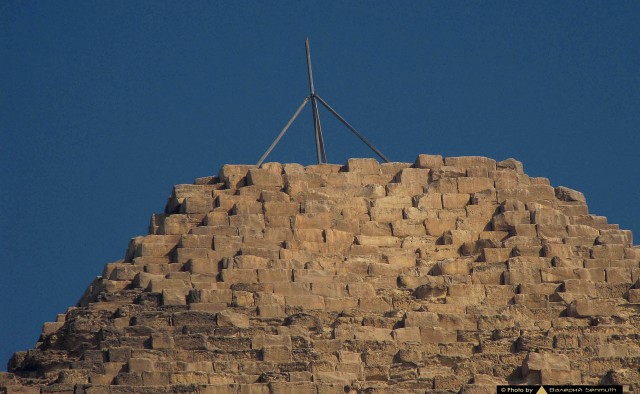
{"x": 445, "y": 275}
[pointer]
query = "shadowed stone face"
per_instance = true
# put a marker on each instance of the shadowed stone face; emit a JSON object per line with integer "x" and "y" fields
{"x": 452, "y": 274}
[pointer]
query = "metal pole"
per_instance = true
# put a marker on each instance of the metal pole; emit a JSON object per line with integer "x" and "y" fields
{"x": 320, "y": 152}
{"x": 286, "y": 127}
{"x": 344, "y": 122}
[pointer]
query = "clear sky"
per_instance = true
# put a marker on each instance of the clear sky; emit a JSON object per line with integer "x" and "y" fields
{"x": 105, "y": 105}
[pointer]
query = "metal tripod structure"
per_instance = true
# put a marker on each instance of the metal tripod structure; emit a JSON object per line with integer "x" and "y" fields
{"x": 314, "y": 98}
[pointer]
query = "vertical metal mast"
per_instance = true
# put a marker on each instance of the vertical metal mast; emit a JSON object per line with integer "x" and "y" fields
{"x": 320, "y": 152}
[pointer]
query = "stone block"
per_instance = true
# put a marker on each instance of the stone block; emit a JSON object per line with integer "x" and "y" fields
{"x": 162, "y": 340}
{"x": 408, "y": 228}
{"x": 232, "y": 319}
{"x": 508, "y": 220}
{"x": 588, "y": 308}
{"x": 455, "y": 200}
{"x": 442, "y": 185}
{"x": 264, "y": 178}
{"x": 305, "y": 301}
{"x": 474, "y": 184}
{"x": 453, "y": 267}
{"x": 436, "y": 227}
{"x": 364, "y": 333}
{"x": 471, "y": 161}
{"x": 378, "y": 241}
{"x": 437, "y": 335}
{"x": 364, "y": 166}
{"x": 413, "y": 175}
{"x": 408, "y": 334}
{"x": 340, "y": 304}
{"x": 428, "y": 161}
{"x": 428, "y": 201}
{"x": 139, "y": 365}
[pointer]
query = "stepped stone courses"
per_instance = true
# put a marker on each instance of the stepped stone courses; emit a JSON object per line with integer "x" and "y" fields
{"x": 446, "y": 275}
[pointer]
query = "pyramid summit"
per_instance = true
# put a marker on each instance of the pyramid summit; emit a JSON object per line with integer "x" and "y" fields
{"x": 446, "y": 275}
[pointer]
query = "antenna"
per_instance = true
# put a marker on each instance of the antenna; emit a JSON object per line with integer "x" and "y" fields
{"x": 314, "y": 98}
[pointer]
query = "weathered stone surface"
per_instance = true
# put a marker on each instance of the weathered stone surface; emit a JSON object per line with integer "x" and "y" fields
{"x": 448, "y": 275}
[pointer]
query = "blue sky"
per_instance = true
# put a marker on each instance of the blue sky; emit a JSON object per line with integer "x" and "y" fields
{"x": 106, "y": 105}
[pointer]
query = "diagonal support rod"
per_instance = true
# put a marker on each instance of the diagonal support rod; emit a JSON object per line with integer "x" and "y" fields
{"x": 286, "y": 127}
{"x": 344, "y": 122}
{"x": 320, "y": 152}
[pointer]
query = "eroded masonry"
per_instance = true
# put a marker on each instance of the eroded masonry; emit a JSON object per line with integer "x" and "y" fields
{"x": 445, "y": 275}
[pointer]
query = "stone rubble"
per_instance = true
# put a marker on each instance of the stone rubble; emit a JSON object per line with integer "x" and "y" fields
{"x": 443, "y": 276}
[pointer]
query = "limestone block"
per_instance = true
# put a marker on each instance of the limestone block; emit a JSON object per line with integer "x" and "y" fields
{"x": 549, "y": 216}
{"x": 281, "y": 208}
{"x": 271, "y": 311}
{"x": 614, "y": 237}
{"x": 292, "y": 388}
{"x": 455, "y": 200}
{"x": 373, "y": 228}
{"x": 510, "y": 164}
{"x": 219, "y": 388}
{"x": 634, "y": 296}
{"x": 516, "y": 276}
{"x": 508, "y": 220}
{"x": 420, "y": 319}
{"x": 338, "y": 236}
{"x": 455, "y": 319}
{"x": 174, "y": 297}
{"x": 408, "y": 228}
{"x": 474, "y": 184}
{"x": 566, "y": 194}
{"x": 614, "y": 252}
{"x": 428, "y": 201}
{"x": 436, "y": 227}
{"x": 437, "y": 335}
{"x": 247, "y": 208}
{"x": 197, "y": 204}
{"x": 361, "y": 290}
{"x": 551, "y": 231}
{"x": 545, "y": 361}
{"x": 442, "y": 185}
{"x": 458, "y": 237}
{"x": 239, "y": 275}
{"x": 264, "y": 178}
{"x": 305, "y": 301}
{"x": 439, "y": 252}
{"x": 428, "y": 161}
{"x": 558, "y": 274}
{"x": 581, "y": 230}
{"x": 242, "y": 298}
{"x": 313, "y": 220}
{"x": 161, "y": 340}
{"x": 274, "y": 275}
{"x": 232, "y": 319}
{"x": 327, "y": 289}
{"x": 505, "y": 179}
{"x": 139, "y": 365}
{"x": 251, "y": 220}
{"x": 494, "y": 255}
{"x": 364, "y": 166}
{"x": 308, "y": 234}
{"x": 467, "y": 294}
{"x": 557, "y": 250}
{"x": 453, "y": 267}
{"x": 471, "y": 161}
{"x": 618, "y": 275}
{"x": 378, "y": 241}
{"x": 530, "y": 193}
{"x": 333, "y": 304}
{"x": 408, "y": 334}
{"x": 588, "y": 308}
{"x": 372, "y": 334}
{"x": 413, "y": 175}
